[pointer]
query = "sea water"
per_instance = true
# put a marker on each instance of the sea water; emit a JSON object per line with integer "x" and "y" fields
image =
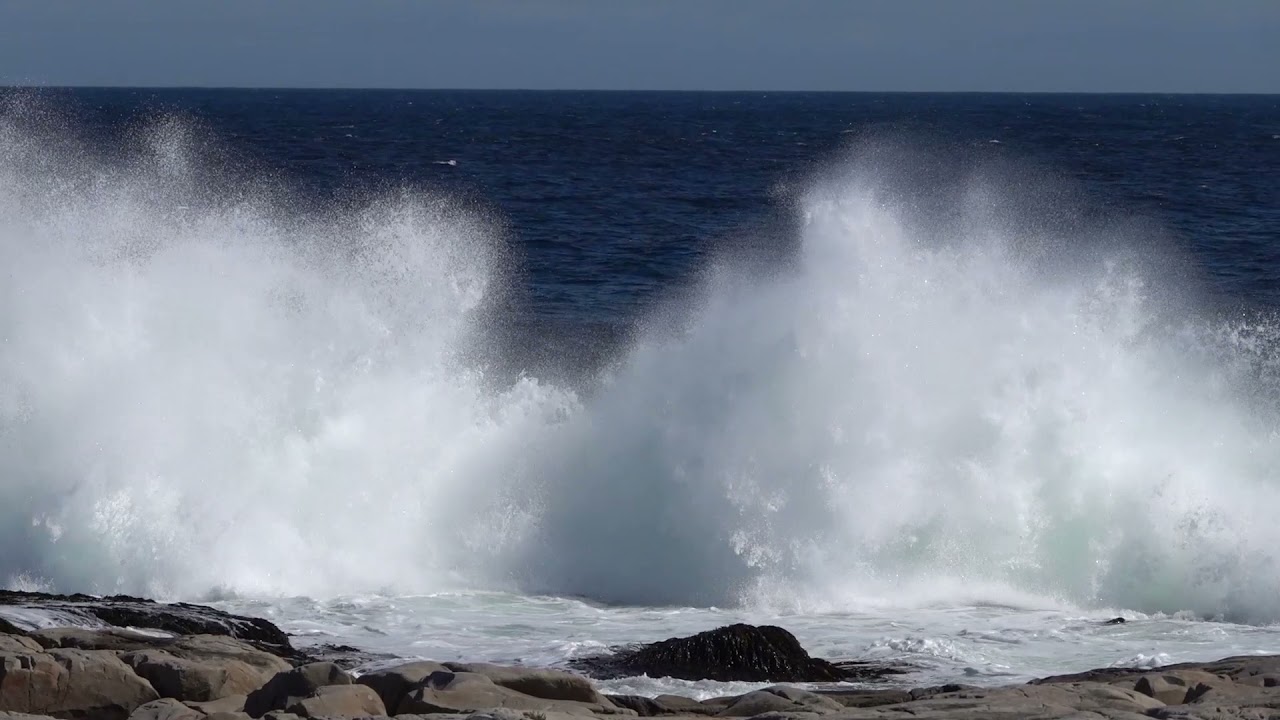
{"x": 911, "y": 397}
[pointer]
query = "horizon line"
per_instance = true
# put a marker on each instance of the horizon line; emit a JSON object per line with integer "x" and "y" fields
{"x": 323, "y": 88}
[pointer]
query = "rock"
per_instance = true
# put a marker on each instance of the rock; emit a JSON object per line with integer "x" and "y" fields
{"x": 393, "y": 683}
{"x": 71, "y": 683}
{"x": 345, "y": 656}
{"x": 1115, "y": 621}
{"x": 732, "y": 653}
{"x": 228, "y": 704}
{"x": 228, "y": 716}
{"x": 547, "y": 684}
{"x": 458, "y": 692}
{"x": 211, "y": 648}
{"x": 299, "y": 683}
{"x": 175, "y": 618}
{"x": 1172, "y": 687}
{"x": 165, "y": 709}
{"x": 89, "y": 639}
{"x": 688, "y": 706}
{"x": 199, "y": 648}
{"x": 19, "y": 644}
{"x": 641, "y": 705}
{"x": 200, "y": 681}
{"x": 345, "y": 700}
{"x": 780, "y": 700}
{"x": 6, "y": 715}
{"x": 869, "y": 698}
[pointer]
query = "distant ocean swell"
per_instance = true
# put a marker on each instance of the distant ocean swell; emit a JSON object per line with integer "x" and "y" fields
{"x": 207, "y": 388}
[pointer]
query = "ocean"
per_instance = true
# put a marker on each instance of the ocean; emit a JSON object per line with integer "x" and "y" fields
{"x": 941, "y": 379}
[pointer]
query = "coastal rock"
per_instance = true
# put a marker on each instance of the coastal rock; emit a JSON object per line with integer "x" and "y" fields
{"x": 1172, "y": 687}
{"x": 342, "y": 700}
{"x": 18, "y": 644}
{"x": 199, "y": 681}
{"x": 739, "y": 652}
{"x": 228, "y": 704}
{"x": 71, "y": 683}
{"x": 393, "y": 683}
{"x": 460, "y": 692}
{"x": 165, "y": 709}
{"x": 780, "y": 700}
{"x": 288, "y": 687}
{"x": 175, "y": 618}
{"x": 546, "y": 684}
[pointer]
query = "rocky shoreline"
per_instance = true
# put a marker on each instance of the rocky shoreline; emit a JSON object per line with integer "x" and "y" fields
{"x": 124, "y": 658}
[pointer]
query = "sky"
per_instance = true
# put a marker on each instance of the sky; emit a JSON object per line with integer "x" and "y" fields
{"x": 868, "y": 45}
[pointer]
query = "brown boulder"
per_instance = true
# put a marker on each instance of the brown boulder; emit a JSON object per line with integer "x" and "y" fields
{"x": 71, "y": 683}
{"x": 392, "y": 684}
{"x": 539, "y": 683}
{"x": 461, "y": 692}
{"x": 165, "y": 709}
{"x": 299, "y": 683}
{"x": 199, "y": 681}
{"x": 344, "y": 700}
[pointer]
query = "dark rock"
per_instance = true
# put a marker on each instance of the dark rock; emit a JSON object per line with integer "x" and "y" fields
{"x": 1115, "y": 621}
{"x": 176, "y": 618}
{"x": 344, "y": 656}
{"x": 733, "y": 653}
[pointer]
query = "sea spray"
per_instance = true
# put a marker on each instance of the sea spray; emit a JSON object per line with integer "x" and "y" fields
{"x": 950, "y": 392}
{"x": 200, "y": 388}
{"x": 970, "y": 404}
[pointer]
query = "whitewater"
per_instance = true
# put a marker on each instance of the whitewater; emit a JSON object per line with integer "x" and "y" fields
{"x": 947, "y": 428}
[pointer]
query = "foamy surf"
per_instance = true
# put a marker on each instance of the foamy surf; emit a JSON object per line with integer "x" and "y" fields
{"x": 944, "y": 397}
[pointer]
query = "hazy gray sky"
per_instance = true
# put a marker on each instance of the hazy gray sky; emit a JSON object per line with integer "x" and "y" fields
{"x": 1039, "y": 45}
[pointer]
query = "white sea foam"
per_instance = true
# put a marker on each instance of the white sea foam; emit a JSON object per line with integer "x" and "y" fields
{"x": 939, "y": 399}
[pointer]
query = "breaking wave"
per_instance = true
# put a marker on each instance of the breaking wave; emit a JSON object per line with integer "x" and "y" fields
{"x": 952, "y": 387}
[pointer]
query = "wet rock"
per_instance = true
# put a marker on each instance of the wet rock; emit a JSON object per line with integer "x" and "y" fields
{"x": 175, "y": 618}
{"x": 732, "y": 653}
{"x": 640, "y": 705}
{"x": 1115, "y": 621}
{"x": 344, "y": 656}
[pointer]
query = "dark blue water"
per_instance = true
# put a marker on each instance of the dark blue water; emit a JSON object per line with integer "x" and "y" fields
{"x": 610, "y": 197}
